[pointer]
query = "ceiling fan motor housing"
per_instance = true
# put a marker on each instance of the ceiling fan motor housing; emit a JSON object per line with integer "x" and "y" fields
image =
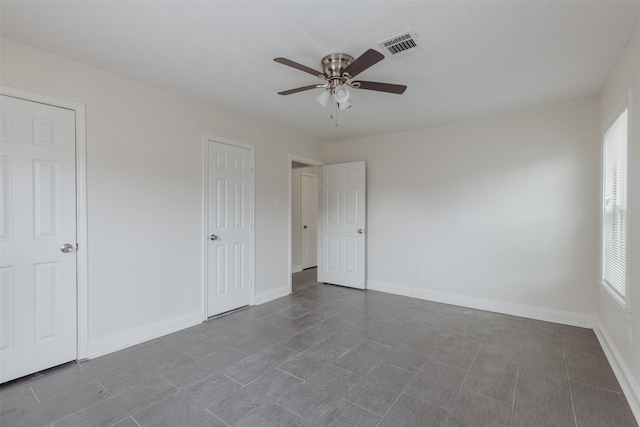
{"x": 333, "y": 66}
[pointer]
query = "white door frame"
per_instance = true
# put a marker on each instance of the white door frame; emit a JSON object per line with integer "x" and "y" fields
{"x": 205, "y": 215}
{"x": 82, "y": 284}
{"x": 310, "y": 162}
{"x": 302, "y": 211}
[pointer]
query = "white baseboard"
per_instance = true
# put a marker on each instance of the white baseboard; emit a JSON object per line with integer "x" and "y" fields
{"x": 538, "y": 313}
{"x": 629, "y": 385}
{"x": 263, "y": 297}
{"x": 139, "y": 335}
{"x": 296, "y": 268}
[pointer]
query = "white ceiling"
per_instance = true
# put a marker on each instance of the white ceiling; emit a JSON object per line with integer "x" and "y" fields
{"x": 479, "y": 58}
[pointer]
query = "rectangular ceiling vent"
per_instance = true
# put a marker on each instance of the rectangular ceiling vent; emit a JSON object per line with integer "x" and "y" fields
{"x": 401, "y": 45}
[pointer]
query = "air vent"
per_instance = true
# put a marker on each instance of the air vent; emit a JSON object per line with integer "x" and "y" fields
{"x": 400, "y": 45}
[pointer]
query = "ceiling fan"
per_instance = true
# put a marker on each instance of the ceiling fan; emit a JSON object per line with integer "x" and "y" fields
{"x": 337, "y": 70}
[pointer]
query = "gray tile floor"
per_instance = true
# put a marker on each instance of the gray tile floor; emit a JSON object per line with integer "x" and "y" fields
{"x": 332, "y": 356}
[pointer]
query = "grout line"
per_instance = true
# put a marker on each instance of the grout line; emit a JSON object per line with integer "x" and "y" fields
{"x": 598, "y": 387}
{"x": 428, "y": 359}
{"x": 217, "y": 417}
{"x": 353, "y": 385}
{"x": 238, "y": 382}
{"x": 368, "y": 410}
{"x": 394, "y": 403}
{"x": 566, "y": 370}
{"x": 470, "y": 365}
{"x": 34, "y": 394}
{"x": 104, "y": 388}
{"x": 515, "y": 389}
{"x": 172, "y": 383}
{"x": 289, "y": 373}
{"x": 404, "y": 389}
{"x": 294, "y": 412}
{"x": 400, "y": 367}
{"x": 372, "y": 368}
{"x": 176, "y": 387}
{"x": 323, "y": 368}
{"x": 134, "y": 420}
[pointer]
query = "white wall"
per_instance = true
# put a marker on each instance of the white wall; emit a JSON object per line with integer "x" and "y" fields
{"x": 501, "y": 213}
{"x": 613, "y": 322}
{"x": 144, "y": 179}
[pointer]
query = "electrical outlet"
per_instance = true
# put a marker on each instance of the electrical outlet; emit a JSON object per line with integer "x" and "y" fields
{"x": 420, "y": 271}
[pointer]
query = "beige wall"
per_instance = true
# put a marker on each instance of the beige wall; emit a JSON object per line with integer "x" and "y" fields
{"x": 144, "y": 179}
{"x": 500, "y": 213}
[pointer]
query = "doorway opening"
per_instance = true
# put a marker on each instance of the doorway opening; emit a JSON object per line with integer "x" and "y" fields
{"x": 340, "y": 221}
{"x": 303, "y": 203}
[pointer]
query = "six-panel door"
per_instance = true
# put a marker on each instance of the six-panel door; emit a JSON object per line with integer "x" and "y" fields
{"x": 229, "y": 227}
{"x": 37, "y": 218}
{"x": 342, "y": 225}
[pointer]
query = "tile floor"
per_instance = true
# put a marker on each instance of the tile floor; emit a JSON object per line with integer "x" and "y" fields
{"x": 332, "y": 356}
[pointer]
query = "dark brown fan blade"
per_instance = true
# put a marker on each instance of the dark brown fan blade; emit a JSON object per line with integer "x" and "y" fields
{"x": 299, "y": 89}
{"x": 380, "y": 87}
{"x": 363, "y": 62}
{"x": 297, "y": 66}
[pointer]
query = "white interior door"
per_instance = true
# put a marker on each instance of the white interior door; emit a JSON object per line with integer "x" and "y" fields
{"x": 309, "y": 220}
{"x": 229, "y": 221}
{"x": 37, "y": 218}
{"x": 342, "y": 224}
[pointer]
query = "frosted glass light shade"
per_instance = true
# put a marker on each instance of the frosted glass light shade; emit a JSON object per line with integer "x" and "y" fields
{"x": 341, "y": 94}
{"x": 344, "y": 105}
{"x": 323, "y": 98}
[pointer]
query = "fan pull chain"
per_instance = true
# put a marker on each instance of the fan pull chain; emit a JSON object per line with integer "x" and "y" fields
{"x": 331, "y": 111}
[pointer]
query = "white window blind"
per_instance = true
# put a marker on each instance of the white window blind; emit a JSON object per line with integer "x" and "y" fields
{"x": 614, "y": 216}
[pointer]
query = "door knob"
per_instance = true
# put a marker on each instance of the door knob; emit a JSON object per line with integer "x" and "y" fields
{"x": 66, "y": 248}
{"x": 213, "y": 237}
{"x": 360, "y": 231}
{"x": 305, "y": 227}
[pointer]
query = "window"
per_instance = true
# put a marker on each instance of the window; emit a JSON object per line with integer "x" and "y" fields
{"x": 614, "y": 214}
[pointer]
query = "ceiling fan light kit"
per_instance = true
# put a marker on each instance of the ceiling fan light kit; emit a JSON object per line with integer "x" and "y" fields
{"x": 337, "y": 70}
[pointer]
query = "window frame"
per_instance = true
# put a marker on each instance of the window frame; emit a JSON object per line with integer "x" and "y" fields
{"x": 614, "y": 116}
